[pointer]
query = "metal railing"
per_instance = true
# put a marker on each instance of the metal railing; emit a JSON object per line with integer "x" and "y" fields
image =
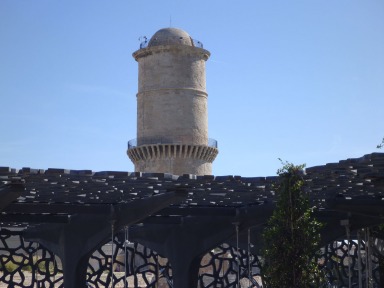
{"x": 144, "y": 44}
{"x": 166, "y": 140}
{"x": 171, "y": 40}
{"x": 197, "y": 43}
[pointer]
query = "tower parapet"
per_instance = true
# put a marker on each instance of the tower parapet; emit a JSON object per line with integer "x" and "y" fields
{"x": 172, "y": 116}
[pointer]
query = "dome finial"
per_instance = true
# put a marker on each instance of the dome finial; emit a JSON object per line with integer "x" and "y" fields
{"x": 170, "y": 36}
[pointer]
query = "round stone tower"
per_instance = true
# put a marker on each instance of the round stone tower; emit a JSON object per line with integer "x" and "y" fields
{"x": 172, "y": 117}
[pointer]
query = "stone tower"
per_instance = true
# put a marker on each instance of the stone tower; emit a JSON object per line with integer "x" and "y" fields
{"x": 172, "y": 116}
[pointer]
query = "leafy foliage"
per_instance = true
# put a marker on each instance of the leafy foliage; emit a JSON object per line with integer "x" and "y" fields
{"x": 292, "y": 235}
{"x": 381, "y": 145}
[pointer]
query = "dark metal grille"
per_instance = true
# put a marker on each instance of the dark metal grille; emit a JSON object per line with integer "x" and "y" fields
{"x": 27, "y": 264}
{"x": 334, "y": 261}
{"x": 142, "y": 266}
{"x": 220, "y": 268}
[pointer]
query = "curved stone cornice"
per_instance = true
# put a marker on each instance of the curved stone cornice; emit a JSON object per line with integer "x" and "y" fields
{"x": 166, "y": 48}
{"x": 163, "y": 151}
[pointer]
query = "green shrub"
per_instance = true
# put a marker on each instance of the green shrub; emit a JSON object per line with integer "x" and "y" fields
{"x": 292, "y": 235}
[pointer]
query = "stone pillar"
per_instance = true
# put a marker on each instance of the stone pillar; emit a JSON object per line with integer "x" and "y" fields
{"x": 172, "y": 115}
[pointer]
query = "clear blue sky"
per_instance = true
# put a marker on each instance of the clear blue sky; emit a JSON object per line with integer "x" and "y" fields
{"x": 297, "y": 80}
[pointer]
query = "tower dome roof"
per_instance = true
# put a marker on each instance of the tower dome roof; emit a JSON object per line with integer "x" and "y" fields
{"x": 170, "y": 36}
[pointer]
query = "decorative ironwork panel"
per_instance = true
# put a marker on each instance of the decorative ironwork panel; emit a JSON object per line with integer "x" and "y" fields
{"x": 225, "y": 266}
{"x": 27, "y": 264}
{"x": 334, "y": 261}
{"x": 143, "y": 267}
{"x": 131, "y": 262}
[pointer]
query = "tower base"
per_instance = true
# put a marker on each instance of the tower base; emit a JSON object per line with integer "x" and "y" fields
{"x": 176, "y": 159}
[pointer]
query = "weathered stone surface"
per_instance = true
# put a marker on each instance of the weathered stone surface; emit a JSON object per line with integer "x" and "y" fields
{"x": 172, "y": 115}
